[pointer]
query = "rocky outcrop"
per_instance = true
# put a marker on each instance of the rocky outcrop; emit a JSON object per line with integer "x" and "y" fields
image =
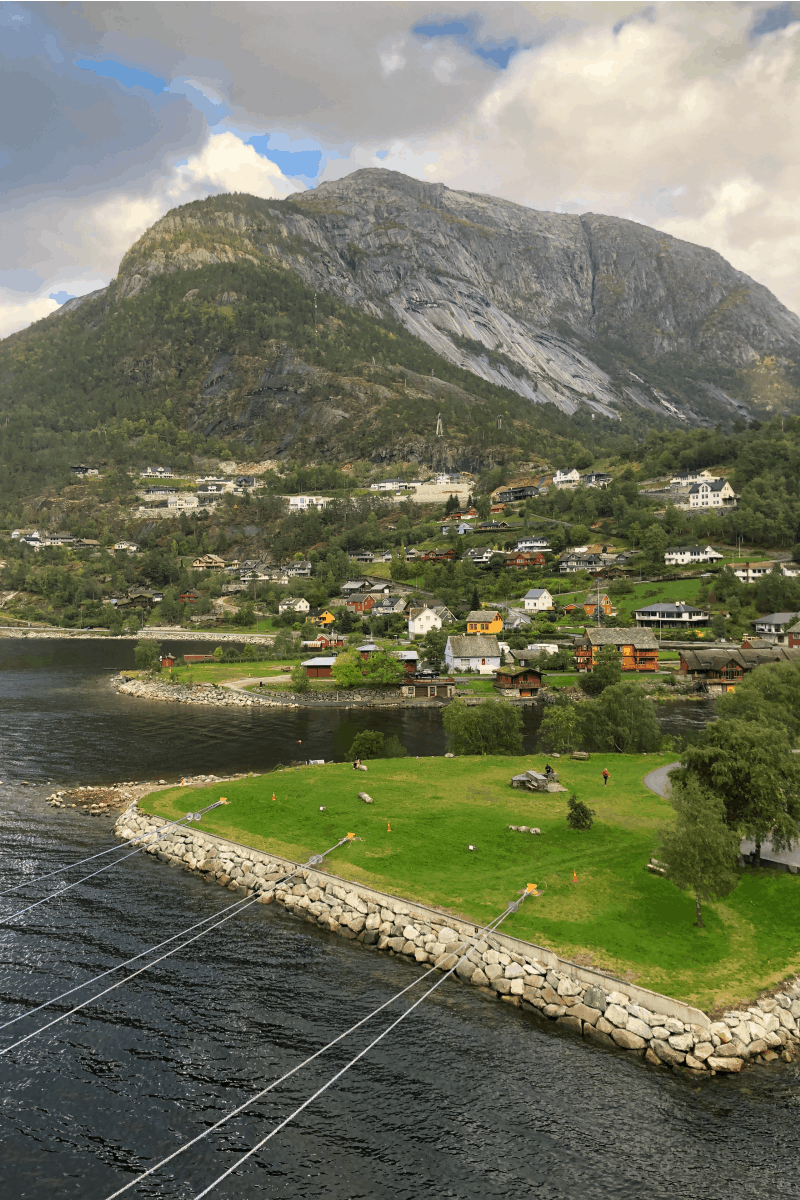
{"x": 576, "y": 999}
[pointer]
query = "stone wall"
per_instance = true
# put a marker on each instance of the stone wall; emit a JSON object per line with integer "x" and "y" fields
{"x": 585, "y": 1001}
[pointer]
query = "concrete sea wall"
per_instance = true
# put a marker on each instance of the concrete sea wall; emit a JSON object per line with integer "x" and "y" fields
{"x": 587, "y": 1002}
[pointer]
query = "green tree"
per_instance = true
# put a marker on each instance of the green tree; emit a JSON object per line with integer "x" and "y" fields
{"x": 369, "y": 743}
{"x": 432, "y": 647}
{"x": 580, "y": 534}
{"x": 384, "y": 668}
{"x": 348, "y": 670}
{"x": 284, "y": 644}
{"x": 770, "y": 693}
{"x": 300, "y": 681}
{"x": 559, "y": 726}
{"x": 146, "y": 654}
{"x": 620, "y": 719}
{"x": 579, "y": 815}
{"x": 483, "y": 505}
{"x": 654, "y": 543}
{"x": 700, "y": 850}
{"x": 606, "y": 672}
{"x": 750, "y": 768}
{"x": 492, "y": 727}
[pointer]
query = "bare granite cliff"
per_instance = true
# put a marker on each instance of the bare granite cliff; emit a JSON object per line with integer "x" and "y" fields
{"x": 558, "y": 307}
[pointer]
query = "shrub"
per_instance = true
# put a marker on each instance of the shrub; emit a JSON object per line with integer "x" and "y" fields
{"x": 579, "y": 816}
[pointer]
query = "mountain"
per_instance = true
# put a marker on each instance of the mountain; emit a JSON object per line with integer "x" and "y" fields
{"x": 339, "y": 324}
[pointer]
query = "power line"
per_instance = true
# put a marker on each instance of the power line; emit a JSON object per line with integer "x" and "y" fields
{"x": 238, "y": 905}
{"x": 513, "y": 906}
{"x": 68, "y": 887}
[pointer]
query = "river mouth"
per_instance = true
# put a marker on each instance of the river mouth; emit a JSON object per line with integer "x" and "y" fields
{"x": 466, "y": 1099}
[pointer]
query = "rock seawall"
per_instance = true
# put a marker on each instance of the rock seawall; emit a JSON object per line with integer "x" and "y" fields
{"x": 588, "y": 1003}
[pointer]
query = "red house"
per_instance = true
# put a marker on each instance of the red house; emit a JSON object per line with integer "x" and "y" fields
{"x": 517, "y": 681}
{"x": 361, "y": 604}
{"x": 168, "y": 660}
{"x": 525, "y": 558}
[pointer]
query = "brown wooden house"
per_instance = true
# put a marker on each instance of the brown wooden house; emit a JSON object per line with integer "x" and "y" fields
{"x": 525, "y": 558}
{"x": 638, "y": 648}
{"x": 517, "y": 681}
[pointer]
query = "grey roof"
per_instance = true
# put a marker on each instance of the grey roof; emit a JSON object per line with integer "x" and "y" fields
{"x": 667, "y": 610}
{"x": 777, "y": 618}
{"x": 534, "y": 593}
{"x": 318, "y": 662}
{"x": 715, "y": 485}
{"x": 640, "y": 639}
{"x": 474, "y": 645}
{"x": 715, "y": 659}
{"x": 484, "y": 614}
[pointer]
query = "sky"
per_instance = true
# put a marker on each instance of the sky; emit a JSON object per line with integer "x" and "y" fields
{"x": 683, "y": 116}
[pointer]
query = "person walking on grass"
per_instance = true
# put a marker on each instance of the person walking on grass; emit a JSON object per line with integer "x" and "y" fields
{"x": 606, "y": 776}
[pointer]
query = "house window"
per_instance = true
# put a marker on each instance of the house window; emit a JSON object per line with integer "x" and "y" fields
{"x": 483, "y": 662}
{"x": 431, "y": 689}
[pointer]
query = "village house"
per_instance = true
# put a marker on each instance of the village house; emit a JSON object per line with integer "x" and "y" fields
{"x": 322, "y": 617}
{"x": 775, "y": 627}
{"x": 127, "y": 547}
{"x": 423, "y": 620}
{"x": 793, "y": 636}
{"x": 682, "y": 556}
{"x": 671, "y": 616}
{"x": 428, "y": 687}
{"x": 537, "y": 600}
{"x": 361, "y": 603}
{"x": 298, "y": 570}
{"x": 303, "y": 503}
{"x": 355, "y": 585}
{"x": 389, "y": 606}
{"x": 208, "y": 562}
{"x": 479, "y": 653}
{"x": 367, "y": 650}
{"x": 533, "y": 543}
{"x": 687, "y": 478}
{"x": 517, "y": 681}
{"x": 444, "y": 555}
{"x": 484, "y": 622}
{"x": 720, "y": 668}
{"x": 183, "y": 501}
{"x": 329, "y": 638}
{"x": 159, "y": 489}
{"x": 460, "y": 528}
{"x": 749, "y": 572}
{"x": 319, "y": 668}
{"x": 590, "y": 606}
{"x": 716, "y": 494}
{"x": 394, "y": 485}
{"x": 82, "y": 471}
{"x": 566, "y": 479}
{"x": 294, "y": 604}
{"x": 409, "y": 659}
{"x": 448, "y": 479}
{"x": 491, "y": 526}
{"x": 515, "y": 618}
{"x": 157, "y": 473}
{"x": 580, "y": 562}
{"x": 513, "y": 495}
{"x": 480, "y": 555}
{"x": 597, "y": 479}
{"x": 362, "y": 556}
{"x": 638, "y": 648}
{"x": 524, "y": 558}
{"x": 790, "y": 569}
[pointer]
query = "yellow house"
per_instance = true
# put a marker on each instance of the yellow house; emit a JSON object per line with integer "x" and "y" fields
{"x": 325, "y": 618}
{"x": 484, "y": 622}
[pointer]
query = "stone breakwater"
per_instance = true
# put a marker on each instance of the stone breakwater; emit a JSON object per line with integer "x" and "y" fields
{"x": 659, "y": 1029}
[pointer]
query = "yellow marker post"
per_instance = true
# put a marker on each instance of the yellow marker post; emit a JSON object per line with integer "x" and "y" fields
{"x": 531, "y": 890}
{"x": 351, "y": 837}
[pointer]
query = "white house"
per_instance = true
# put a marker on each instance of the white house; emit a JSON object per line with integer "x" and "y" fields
{"x": 533, "y": 543}
{"x": 542, "y": 647}
{"x": 790, "y": 569}
{"x": 681, "y": 556}
{"x": 129, "y": 547}
{"x": 294, "y": 604}
{"x": 670, "y": 616}
{"x": 461, "y": 528}
{"x": 774, "y": 627}
{"x": 298, "y": 570}
{"x": 475, "y": 652}
{"x": 687, "y": 478}
{"x": 394, "y": 485}
{"x": 717, "y": 493}
{"x": 302, "y": 503}
{"x": 444, "y": 479}
{"x": 422, "y": 621}
{"x": 157, "y": 473}
{"x": 566, "y": 479}
{"x": 537, "y": 600}
{"x": 183, "y": 501}
{"x": 749, "y": 572}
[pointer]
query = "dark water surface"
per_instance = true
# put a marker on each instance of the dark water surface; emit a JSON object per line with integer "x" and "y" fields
{"x": 467, "y": 1099}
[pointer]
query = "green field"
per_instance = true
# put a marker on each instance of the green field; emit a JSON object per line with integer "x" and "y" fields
{"x": 616, "y": 916}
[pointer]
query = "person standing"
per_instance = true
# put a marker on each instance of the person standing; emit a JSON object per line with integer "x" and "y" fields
{"x": 606, "y": 777}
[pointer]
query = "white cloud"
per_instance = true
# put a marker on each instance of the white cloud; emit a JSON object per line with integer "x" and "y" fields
{"x": 84, "y": 242}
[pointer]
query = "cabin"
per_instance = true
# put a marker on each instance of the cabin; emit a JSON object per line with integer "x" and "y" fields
{"x": 479, "y": 653}
{"x": 361, "y": 604}
{"x": 517, "y": 681}
{"x": 525, "y": 558}
{"x": 638, "y": 648}
{"x": 168, "y": 659}
{"x": 537, "y": 600}
{"x": 368, "y": 650}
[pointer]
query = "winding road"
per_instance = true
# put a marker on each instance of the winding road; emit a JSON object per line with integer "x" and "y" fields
{"x": 657, "y": 781}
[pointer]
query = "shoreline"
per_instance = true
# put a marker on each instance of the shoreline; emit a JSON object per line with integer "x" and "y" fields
{"x": 590, "y": 1003}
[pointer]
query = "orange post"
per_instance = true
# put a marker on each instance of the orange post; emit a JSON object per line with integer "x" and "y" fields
{"x": 388, "y": 827}
{"x": 273, "y": 795}
{"x": 574, "y": 876}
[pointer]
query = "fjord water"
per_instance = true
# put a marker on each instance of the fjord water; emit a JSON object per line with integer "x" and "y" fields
{"x": 468, "y": 1099}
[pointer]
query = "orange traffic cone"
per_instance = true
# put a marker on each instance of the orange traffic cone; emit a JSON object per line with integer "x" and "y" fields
{"x": 388, "y": 827}
{"x": 273, "y": 795}
{"x": 574, "y": 876}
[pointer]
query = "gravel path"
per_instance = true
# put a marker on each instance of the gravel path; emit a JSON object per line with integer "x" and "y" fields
{"x": 657, "y": 780}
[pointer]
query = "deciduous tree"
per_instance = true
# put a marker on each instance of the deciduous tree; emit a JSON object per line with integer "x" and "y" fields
{"x": 700, "y": 850}
{"x": 620, "y": 719}
{"x": 492, "y": 727}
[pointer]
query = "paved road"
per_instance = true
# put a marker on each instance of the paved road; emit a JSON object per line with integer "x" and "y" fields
{"x": 657, "y": 780}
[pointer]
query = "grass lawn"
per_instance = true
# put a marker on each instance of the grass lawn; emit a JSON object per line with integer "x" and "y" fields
{"x": 616, "y": 916}
{"x": 658, "y": 593}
